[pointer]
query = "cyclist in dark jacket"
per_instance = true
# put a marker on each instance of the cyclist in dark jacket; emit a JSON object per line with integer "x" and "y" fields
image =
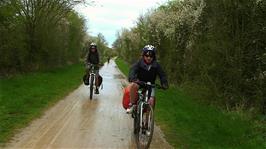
{"x": 92, "y": 57}
{"x": 146, "y": 69}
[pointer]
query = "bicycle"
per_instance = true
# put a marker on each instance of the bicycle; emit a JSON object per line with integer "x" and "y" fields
{"x": 108, "y": 60}
{"x": 92, "y": 79}
{"x": 143, "y": 115}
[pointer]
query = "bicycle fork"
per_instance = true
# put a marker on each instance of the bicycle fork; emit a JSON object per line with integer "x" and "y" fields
{"x": 142, "y": 106}
{"x": 141, "y": 114}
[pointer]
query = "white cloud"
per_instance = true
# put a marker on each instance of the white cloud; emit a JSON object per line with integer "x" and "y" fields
{"x": 109, "y": 16}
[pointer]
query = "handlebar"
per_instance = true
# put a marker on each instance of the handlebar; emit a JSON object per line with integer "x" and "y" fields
{"x": 92, "y": 65}
{"x": 147, "y": 84}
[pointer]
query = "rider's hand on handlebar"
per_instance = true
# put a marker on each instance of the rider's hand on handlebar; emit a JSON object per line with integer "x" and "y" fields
{"x": 136, "y": 81}
{"x": 140, "y": 83}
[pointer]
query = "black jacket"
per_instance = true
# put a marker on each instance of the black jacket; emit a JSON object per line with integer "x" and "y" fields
{"x": 92, "y": 57}
{"x": 147, "y": 73}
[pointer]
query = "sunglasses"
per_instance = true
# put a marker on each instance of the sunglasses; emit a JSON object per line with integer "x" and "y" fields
{"x": 146, "y": 55}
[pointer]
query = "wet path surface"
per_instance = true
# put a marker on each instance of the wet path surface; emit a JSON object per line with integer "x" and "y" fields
{"x": 77, "y": 122}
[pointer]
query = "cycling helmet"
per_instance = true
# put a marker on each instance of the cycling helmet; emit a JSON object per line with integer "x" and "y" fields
{"x": 149, "y": 50}
{"x": 93, "y": 45}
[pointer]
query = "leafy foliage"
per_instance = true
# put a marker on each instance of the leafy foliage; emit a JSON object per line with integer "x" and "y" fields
{"x": 217, "y": 45}
{"x": 38, "y": 34}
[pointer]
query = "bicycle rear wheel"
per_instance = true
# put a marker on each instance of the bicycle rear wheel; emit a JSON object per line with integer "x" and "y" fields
{"x": 91, "y": 86}
{"x": 145, "y": 133}
{"x": 136, "y": 122}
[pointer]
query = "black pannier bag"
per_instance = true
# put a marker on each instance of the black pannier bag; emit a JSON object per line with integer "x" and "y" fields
{"x": 100, "y": 79}
{"x": 86, "y": 80}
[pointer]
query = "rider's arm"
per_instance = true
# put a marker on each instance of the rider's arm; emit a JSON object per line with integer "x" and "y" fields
{"x": 87, "y": 61}
{"x": 163, "y": 78}
{"x": 133, "y": 73}
{"x": 98, "y": 59}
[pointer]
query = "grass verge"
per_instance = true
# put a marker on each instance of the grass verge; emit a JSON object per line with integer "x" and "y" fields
{"x": 25, "y": 97}
{"x": 122, "y": 65}
{"x": 189, "y": 124}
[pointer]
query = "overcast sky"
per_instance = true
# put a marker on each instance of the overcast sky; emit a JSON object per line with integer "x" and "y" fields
{"x": 109, "y": 16}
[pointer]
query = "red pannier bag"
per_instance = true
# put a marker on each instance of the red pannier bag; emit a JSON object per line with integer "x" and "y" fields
{"x": 126, "y": 97}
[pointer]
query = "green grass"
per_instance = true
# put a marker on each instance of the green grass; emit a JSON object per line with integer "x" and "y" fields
{"x": 122, "y": 65}
{"x": 25, "y": 97}
{"x": 188, "y": 124}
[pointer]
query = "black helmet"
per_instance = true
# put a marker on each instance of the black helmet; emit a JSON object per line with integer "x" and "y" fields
{"x": 149, "y": 50}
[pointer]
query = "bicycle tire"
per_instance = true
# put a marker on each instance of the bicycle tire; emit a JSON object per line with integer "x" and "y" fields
{"x": 91, "y": 87}
{"x": 151, "y": 125}
{"x": 136, "y": 128}
{"x": 135, "y": 117}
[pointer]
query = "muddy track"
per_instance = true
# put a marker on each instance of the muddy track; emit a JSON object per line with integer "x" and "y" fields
{"x": 77, "y": 122}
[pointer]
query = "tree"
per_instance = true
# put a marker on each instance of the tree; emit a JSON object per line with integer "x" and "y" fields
{"x": 37, "y": 34}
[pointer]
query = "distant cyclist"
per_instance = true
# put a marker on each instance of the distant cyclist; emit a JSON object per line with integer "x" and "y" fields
{"x": 146, "y": 70}
{"x": 108, "y": 59}
{"x": 92, "y": 57}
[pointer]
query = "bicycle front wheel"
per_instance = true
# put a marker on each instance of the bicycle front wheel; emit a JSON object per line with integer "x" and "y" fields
{"x": 145, "y": 133}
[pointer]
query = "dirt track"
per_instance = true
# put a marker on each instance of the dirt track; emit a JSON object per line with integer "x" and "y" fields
{"x": 77, "y": 122}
